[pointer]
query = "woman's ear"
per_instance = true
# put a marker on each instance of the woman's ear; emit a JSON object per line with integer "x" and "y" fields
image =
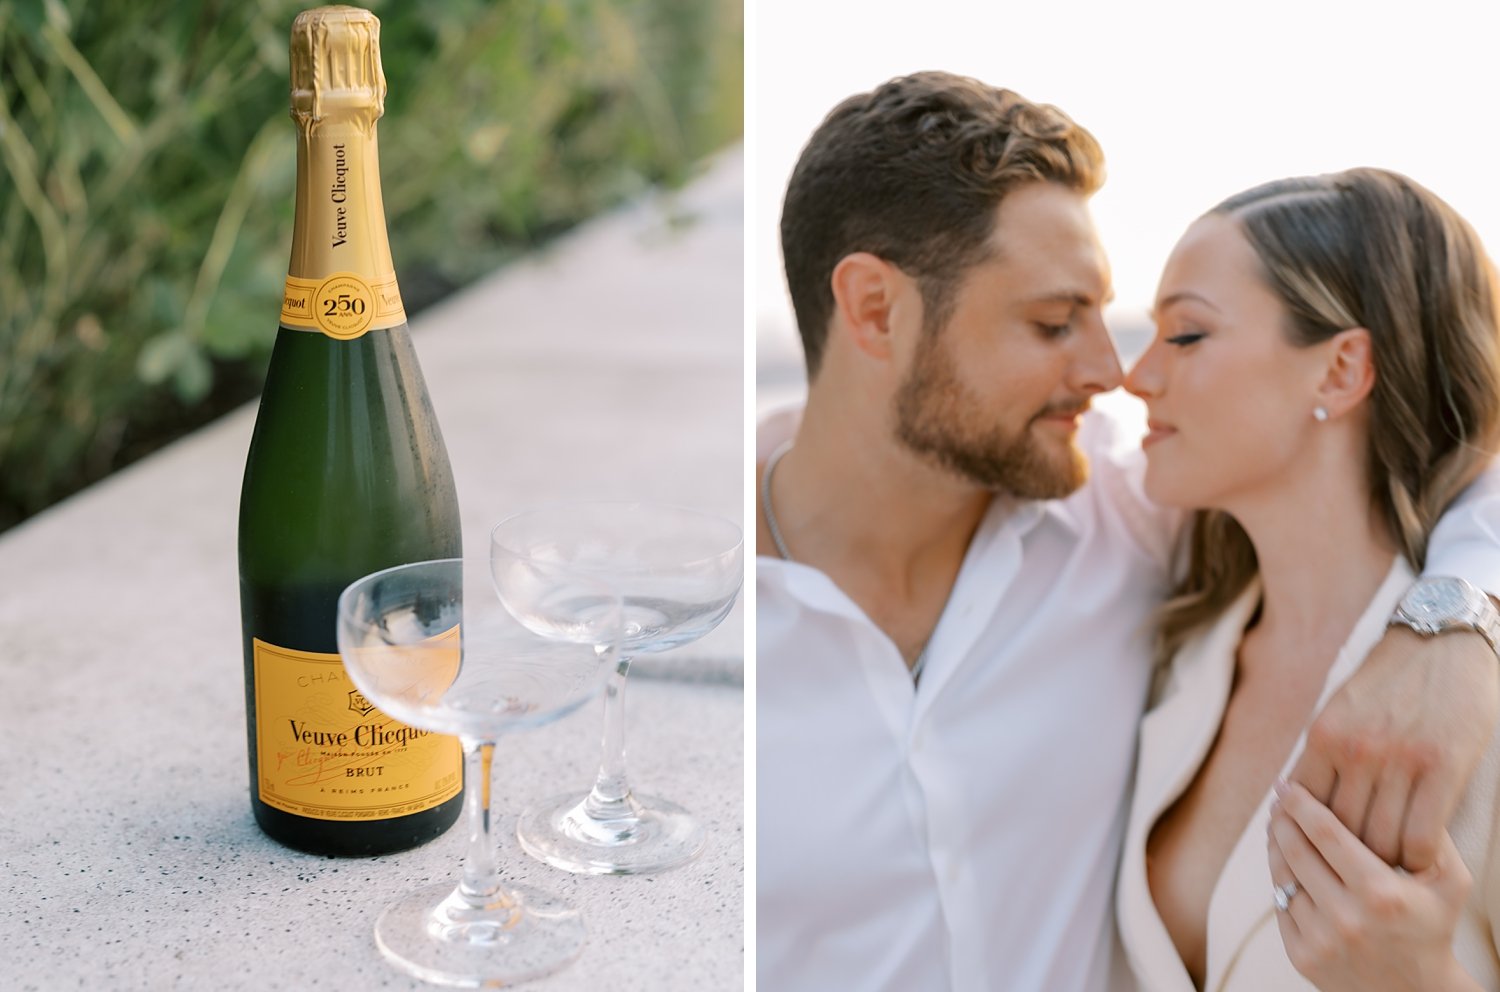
{"x": 1350, "y": 371}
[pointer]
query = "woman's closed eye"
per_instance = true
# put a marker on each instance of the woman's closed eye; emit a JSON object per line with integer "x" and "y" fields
{"x": 1185, "y": 338}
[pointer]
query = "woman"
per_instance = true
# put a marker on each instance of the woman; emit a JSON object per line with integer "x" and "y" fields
{"x": 1324, "y": 380}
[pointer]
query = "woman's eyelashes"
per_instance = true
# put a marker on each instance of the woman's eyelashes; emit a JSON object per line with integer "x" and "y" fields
{"x": 1184, "y": 338}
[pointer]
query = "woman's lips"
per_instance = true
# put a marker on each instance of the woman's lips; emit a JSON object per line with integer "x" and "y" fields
{"x": 1156, "y": 432}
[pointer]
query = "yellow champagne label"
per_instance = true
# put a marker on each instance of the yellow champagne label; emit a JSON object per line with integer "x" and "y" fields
{"x": 325, "y": 752}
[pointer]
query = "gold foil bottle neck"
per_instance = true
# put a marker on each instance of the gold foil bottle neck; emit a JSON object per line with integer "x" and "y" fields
{"x": 335, "y": 66}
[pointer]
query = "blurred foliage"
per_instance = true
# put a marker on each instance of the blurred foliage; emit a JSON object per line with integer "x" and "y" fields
{"x": 146, "y": 185}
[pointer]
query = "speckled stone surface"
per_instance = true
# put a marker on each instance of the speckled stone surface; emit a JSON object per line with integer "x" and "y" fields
{"x": 608, "y": 367}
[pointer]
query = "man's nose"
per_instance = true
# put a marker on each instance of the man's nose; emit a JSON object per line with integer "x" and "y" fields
{"x": 1098, "y": 366}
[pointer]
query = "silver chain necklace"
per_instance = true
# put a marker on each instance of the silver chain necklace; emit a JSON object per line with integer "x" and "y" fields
{"x": 765, "y": 500}
{"x": 780, "y": 542}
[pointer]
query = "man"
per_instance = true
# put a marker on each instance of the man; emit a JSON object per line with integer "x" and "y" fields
{"x": 954, "y": 620}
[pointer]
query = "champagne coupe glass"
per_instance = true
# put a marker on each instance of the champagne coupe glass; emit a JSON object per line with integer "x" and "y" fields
{"x": 431, "y": 645}
{"x": 678, "y": 572}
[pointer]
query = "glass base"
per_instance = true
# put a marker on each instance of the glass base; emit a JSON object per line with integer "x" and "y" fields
{"x": 434, "y": 935}
{"x": 645, "y": 835}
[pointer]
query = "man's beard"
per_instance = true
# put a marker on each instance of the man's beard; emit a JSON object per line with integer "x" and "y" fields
{"x": 937, "y": 416}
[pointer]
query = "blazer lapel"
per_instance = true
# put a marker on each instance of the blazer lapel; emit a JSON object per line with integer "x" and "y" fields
{"x": 1175, "y": 739}
{"x": 1177, "y": 733}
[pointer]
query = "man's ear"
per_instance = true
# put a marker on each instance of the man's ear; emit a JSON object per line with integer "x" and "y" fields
{"x": 865, "y": 289}
{"x": 1350, "y": 372}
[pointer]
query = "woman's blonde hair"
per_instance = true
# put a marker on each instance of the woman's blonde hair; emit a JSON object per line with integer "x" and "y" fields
{"x": 1373, "y": 249}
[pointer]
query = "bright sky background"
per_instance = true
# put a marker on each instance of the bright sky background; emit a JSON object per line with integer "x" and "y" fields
{"x": 1191, "y": 101}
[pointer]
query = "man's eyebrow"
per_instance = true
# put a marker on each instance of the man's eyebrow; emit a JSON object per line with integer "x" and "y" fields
{"x": 1176, "y": 298}
{"x": 1071, "y": 297}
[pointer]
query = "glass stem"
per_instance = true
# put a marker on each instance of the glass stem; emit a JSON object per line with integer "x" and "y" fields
{"x": 610, "y": 797}
{"x": 480, "y": 887}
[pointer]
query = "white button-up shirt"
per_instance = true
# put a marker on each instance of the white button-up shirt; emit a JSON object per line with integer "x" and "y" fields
{"x": 963, "y": 833}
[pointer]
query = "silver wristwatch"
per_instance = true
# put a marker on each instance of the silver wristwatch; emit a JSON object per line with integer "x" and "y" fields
{"x": 1439, "y": 604}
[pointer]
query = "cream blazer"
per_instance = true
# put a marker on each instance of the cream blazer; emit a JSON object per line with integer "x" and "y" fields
{"x": 1245, "y": 952}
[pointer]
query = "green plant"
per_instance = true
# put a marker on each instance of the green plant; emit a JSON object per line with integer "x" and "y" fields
{"x": 146, "y": 168}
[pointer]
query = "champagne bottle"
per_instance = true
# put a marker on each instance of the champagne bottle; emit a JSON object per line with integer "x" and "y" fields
{"x": 346, "y": 475}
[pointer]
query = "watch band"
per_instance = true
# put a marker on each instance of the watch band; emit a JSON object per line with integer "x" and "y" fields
{"x": 1438, "y": 604}
{"x": 1489, "y": 629}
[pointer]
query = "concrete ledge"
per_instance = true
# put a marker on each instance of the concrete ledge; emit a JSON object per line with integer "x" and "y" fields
{"x": 609, "y": 366}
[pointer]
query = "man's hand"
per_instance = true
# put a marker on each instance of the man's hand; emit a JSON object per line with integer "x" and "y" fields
{"x": 1393, "y": 750}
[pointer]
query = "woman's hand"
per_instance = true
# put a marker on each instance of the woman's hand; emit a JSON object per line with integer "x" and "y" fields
{"x": 1355, "y": 923}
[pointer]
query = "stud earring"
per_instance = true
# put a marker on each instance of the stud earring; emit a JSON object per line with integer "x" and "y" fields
{"x": 1320, "y": 413}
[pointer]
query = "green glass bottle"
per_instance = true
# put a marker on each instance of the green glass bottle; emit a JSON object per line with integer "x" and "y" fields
{"x": 347, "y": 474}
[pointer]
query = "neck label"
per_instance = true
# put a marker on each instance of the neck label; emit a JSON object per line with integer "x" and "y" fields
{"x": 340, "y": 281}
{"x": 343, "y": 306}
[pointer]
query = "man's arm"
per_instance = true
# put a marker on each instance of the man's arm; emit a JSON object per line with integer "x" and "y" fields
{"x": 1393, "y": 750}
